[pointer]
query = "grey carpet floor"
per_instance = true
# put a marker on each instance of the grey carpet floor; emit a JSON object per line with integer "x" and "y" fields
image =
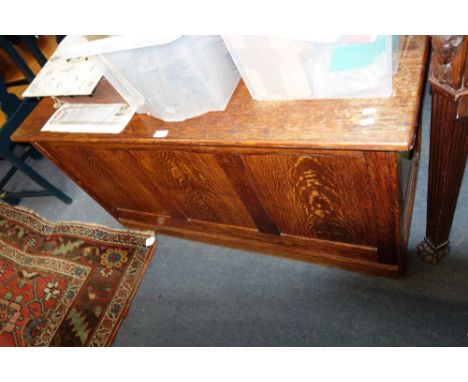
{"x": 202, "y": 295}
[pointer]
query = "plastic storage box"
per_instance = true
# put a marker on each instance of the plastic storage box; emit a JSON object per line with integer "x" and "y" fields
{"x": 281, "y": 68}
{"x": 170, "y": 77}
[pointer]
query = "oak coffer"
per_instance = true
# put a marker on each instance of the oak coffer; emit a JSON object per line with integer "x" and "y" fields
{"x": 328, "y": 181}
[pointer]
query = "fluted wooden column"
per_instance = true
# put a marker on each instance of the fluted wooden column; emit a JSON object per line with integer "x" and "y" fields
{"x": 449, "y": 141}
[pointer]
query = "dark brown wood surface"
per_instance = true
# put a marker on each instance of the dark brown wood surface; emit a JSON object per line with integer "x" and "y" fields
{"x": 449, "y": 141}
{"x": 235, "y": 169}
{"x": 315, "y": 193}
{"x": 332, "y": 124}
{"x": 301, "y": 179}
{"x": 320, "y": 206}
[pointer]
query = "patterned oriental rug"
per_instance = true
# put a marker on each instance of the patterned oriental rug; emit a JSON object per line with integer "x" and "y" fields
{"x": 66, "y": 284}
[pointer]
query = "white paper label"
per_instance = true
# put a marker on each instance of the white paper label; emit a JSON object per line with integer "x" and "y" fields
{"x": 161, "y": 133}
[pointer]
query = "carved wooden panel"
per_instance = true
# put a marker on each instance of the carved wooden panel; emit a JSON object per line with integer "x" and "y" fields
{"x": 447, "y": 60}
{"x": 197, "y": 184}
{"x": 318, "y": 196}
{"x": 448, "y": 64}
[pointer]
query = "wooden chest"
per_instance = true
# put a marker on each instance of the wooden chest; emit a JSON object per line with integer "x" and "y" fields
{"x": 328, "y": 181}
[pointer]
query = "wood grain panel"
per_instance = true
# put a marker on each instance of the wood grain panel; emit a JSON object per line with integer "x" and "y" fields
{"x": 383, "y": 185}
{"x": 234, "y": 168}
{"x": 318, "y": 196}
{"x": 144, "y": 182}
{"x": 197, "y": 184}
{"x": 111, "y": 176}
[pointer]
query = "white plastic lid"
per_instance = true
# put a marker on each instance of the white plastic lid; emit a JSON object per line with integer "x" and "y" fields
{"x": 330, "y": 38}
{"x": 82, "y": 47}
{"x": 318, "y": 38}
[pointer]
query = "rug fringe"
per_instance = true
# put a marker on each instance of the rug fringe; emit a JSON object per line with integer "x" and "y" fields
{"x": 141, "y": 233}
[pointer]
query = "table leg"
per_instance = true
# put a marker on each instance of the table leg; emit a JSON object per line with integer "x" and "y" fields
{"x": 447, "y": 158}
{"x": 449, "y": 141}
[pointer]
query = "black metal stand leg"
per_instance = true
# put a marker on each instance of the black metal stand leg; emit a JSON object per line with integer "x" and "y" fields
{"x": 17, "y": 59}
{"x": 33, "y": 153}
{"x": 28, "y": 152}
{"x": 36, "y": 177}
{"x": 35, "y": 51}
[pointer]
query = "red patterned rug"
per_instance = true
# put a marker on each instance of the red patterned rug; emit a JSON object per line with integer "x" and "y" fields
{"x": 65, "y": 284}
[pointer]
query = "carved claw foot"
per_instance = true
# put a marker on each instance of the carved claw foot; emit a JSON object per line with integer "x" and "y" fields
{"x": 432, "y": 255}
